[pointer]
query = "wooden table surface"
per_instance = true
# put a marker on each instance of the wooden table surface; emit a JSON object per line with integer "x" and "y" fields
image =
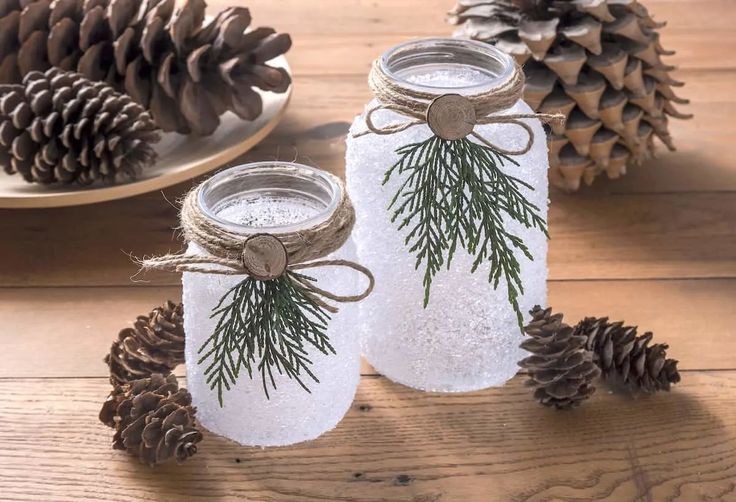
{"x": 657, "y": 248}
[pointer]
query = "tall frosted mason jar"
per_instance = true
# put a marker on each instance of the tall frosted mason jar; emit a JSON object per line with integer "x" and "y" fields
{"x": 468, "y": 337}
{"x": 273, "y": 197}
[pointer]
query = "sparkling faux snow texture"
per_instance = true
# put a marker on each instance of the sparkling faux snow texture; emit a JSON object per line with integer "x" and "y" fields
{"x": 468, "y": 337}
{"x": 291, "y": 415}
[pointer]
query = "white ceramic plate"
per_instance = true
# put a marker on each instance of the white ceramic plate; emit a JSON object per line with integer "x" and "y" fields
{"x": 180, "y": 158}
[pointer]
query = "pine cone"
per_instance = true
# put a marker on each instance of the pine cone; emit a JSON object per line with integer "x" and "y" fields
{"x": 155, "y": 344}
{"x": 596, "y": 62}
{"x": 186, "y": 71}
{"x": 626, "y": 359}
{"x": 560, "y": 368}
{"x": 60, "y": 127}
{"x": 153, "y": 420}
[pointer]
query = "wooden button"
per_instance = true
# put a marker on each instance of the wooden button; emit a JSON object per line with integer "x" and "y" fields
{"x": 264, "y": 257}
{"x": 451, "y": 116}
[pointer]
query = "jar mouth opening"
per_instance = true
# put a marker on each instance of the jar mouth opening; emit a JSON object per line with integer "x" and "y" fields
{"x": 270, "y": 180}
{"x": 491, "y": 65}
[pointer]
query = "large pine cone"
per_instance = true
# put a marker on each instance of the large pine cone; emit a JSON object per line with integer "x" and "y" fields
{"x": 627, "y": 359}
{"x": 60, "y": 127}
{"x": 560, "y": 368}
{"x": 155, "y": 344}
{"x": 153, "y": 420}
{"x": 186, "y": 71}
{"x": 598, "y": 63}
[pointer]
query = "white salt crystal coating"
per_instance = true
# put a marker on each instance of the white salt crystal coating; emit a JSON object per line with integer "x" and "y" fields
{"x": 468, "y": 337}
{"x": 274, "y": 210}
{"x": 291, "y": 415}
{"x": 446, "y": 78}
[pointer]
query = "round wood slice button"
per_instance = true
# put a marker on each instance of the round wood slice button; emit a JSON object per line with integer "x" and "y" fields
{"x": 451, "y": 116}
{"x": 264, "y": 257}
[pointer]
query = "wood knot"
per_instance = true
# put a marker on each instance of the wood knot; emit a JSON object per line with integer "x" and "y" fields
{"x": 264, "y": 257}
{"x": 451, "y": 116}
{"x": 403, "y": 480}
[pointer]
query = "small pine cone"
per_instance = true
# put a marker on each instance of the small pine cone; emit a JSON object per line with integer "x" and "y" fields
{"x": 60, "y": 127}
{"x": 186, "y": 69}
{"x": 627, "y": 360}
{"x": 155, "y": 344}
{"x": 153, "y": 420}
{"x": 560, "y": 367}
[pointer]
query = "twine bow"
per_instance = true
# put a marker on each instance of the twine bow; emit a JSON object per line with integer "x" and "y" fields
{"x": 264, "y": 256}
{"x": 396, "y": 96}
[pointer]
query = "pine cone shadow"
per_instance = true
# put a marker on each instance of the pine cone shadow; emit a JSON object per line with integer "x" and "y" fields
{"x": 698, "y": 167}
{"x": 640, "y": 235}
{"x": 491, "y": 417}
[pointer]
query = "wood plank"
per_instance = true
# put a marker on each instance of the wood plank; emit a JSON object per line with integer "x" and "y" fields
{"x": 411, "y": 17}
{"x": 360, "y": 30}
{"x": 395, "y": 444}
{"x": 643, "y": 236}
{"x": 617, "y": 237}
{"x": 65, "y": 332}
{"x": 352, "y": 53}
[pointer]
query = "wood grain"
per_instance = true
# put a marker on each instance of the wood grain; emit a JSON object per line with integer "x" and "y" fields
{"x": 656, "y": 248}
{"x": 395, "y": 444}
{"x": 359, "y": 30}
{"x": 632, "y": 236}
{"x": 44, "y": 326}
{"x": 409, "y": 18}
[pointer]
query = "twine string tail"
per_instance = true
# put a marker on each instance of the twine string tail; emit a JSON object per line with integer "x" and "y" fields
{"x": 192, "y": 263}
{"x": 314, "y": 289}
{"x": 517, "y": 120}
{"x": 393, "y": 127}
{"x": 414, "y": 104}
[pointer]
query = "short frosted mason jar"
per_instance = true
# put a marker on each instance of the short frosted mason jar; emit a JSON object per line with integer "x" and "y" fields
{"x": 273, "y": 197}
{"x": 468, "y": 336}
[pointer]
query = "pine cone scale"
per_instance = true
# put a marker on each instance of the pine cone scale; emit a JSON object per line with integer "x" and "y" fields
{"x": 560, "y": 367}
{"x": 627, "y": 359}
{"x": 153, "y": 419}
{"x": 562, "y": 45}
{"x": 155, "y": 344}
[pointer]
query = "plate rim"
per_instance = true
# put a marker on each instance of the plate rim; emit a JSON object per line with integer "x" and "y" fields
{"x": 85, "y": 196}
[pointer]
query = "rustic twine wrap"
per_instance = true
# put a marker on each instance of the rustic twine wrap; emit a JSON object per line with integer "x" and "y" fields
{"x": 265, "y": 256}
{"x": 450, "y": 116}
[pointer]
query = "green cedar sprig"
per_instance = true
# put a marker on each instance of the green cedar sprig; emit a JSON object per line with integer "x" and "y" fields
{"x": 455, "y": 195}
{"x": 264, "y": 326}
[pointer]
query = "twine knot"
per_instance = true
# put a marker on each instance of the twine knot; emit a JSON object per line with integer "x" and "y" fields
{"x": 264, "y": 256}
{"x": 451, "y": 116}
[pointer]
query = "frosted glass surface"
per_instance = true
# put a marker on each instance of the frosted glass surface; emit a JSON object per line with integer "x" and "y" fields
{"x": 467, "y": 338}
{"x": 291, "y": 415}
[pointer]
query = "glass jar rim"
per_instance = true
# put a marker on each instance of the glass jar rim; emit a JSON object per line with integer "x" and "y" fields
{"x": 282, "y": 172}
{"x": 487, "y": 57}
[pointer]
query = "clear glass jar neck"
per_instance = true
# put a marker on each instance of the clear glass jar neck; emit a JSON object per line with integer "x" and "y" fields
{"x": 269, "y": 183}
{"x": 447, "y": 65}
